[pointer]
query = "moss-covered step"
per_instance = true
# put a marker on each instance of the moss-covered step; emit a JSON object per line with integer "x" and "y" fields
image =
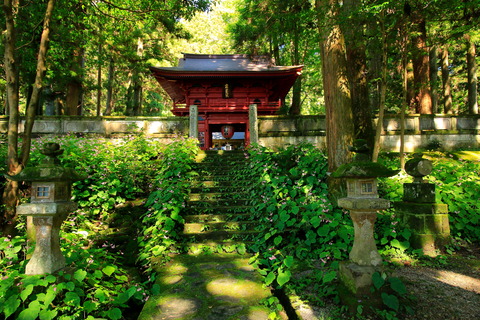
{"x": 208, "y": 287}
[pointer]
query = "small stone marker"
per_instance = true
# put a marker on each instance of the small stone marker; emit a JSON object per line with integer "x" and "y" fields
{"x": 363, "y": 203}
{"x": 49, "y": 206}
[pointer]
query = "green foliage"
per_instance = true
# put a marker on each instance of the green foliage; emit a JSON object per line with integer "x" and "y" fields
{"x": 93, "y": 285}
{"x": 393, "y": 294}
{"x": 115, "y": 170}
{"x": 298, "y": 222}
{"x": 457, "y": 184}
{"x": 163, "y": 220}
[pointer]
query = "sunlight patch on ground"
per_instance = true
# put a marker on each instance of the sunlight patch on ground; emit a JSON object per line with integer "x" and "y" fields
{"x": 458, "y": 280}
{"x": 468, "y": 155}
{"x": 237, "y": 289}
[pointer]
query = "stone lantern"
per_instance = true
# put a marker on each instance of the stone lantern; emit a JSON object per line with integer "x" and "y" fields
{"x": 49, "y": 206}
{"x": 363, "y": 203}
{"x": 419, "y": 211}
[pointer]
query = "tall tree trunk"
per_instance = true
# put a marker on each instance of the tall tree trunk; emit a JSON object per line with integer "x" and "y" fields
{"x": 99, "y": 81}
{"x": 357, "y": 73}
{"x": 410, "y": 97}
{"x": 38, "y": 85}
{"x": 137, "y": 82}
{"x": 405, "y": 90}
{"x": 15, "y": 163}
{"x": 339, "y": 118}
{"x": 73, "y": 101}
{"x": 446, "y": 84}
{"x": 434, "y": 77}
{"x": 10, "y": 195}
{"x": 111, "y": 74}
{"x": 383, "y": 90}
{"x": 472, "y": 76}
{"x": 295, "y": 107}
{"x": 137, "y": 95}
{"x": 421, "y": 66}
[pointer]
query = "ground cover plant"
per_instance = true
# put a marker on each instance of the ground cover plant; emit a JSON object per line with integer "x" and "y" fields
{"x": 100, "y": 280}
{"x": 302, "y": 235}
{"x": 163, "y": 220}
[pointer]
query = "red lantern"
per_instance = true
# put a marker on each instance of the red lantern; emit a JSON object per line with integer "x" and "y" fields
{"x": 227, "y": 131}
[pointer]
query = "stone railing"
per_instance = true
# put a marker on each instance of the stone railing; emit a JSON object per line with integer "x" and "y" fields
{"x": 421, "y": 131}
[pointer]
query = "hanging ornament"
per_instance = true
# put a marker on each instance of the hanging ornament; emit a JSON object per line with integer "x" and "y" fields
{"x": 227, "y": 131}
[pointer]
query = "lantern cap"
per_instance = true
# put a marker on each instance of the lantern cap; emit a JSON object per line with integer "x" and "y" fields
{"x": 49, "y": 169}
{"x": 362, "y": 166}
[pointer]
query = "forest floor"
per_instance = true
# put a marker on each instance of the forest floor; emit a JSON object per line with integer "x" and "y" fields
{"x": 446, "y": 287}
{"x": 447, "y": 290}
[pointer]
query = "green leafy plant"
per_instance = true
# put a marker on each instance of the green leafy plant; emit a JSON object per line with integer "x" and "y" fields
{"x": 394, "y": 295}
{"x": 163, "y": 220}
{"x": 93, "y": 285}
{"x": 298, "y": 222}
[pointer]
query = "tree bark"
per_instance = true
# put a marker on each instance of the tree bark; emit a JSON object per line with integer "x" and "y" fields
{"x": 446, "y": 84}
{"x": 410, "y": 98}
{"x": 109, "y": 102}
{"x": 73, "y": 101}
{"x": 99, "y": 82}
{"x": 472, "y": 76}
{"x": 339, "y": 118}
{"x": 383, "y": 90}
{"x": 434, "y": 77}
{"x": 295, "y": 107}
{"x": 15, "y": 163}
{"x": 38, "y": 85}
{"x": 421, "y": 66}
{"x": 357, "y": 73}
{"x": 10, "y": 193}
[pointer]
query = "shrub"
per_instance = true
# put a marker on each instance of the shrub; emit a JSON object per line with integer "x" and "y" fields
{"x": 161, "y": 223}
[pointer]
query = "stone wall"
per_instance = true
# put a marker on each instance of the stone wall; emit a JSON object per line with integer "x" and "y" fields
{"x": 421, "y": 131}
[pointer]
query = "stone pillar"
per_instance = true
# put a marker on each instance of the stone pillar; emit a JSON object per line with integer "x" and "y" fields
{"x": 253, "y": 123}
{"x": 419, "y": 211}
{"x": 193, "y": 132}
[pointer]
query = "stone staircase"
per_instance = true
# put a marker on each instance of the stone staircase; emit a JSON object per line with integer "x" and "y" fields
{"x": 220, "y": 199}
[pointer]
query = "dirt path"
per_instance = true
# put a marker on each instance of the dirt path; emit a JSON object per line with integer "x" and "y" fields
{"x": 452, "y": 292}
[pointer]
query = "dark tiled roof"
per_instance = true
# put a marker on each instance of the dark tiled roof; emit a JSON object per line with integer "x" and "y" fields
{"x": 225, "y": 63}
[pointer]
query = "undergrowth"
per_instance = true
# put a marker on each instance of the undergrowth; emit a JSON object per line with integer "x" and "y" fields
{"x": 99, "y": 281}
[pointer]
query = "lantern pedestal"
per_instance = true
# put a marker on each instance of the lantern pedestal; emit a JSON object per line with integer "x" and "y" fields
{"x": 356, "y": 274}
{"x": 47, "y": 219}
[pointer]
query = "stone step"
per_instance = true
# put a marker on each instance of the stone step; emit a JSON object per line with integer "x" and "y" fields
{"x": 214, "y": 235}
{"x": 218, "y": 246}
{"x": 217, "y": 196}
{"x": 220, "y": 189}
{"x": 205, "y": 183}
{"x": 204, "y": 227}
{"x": 195, "y": 204}
{"x": 199, "y": 218}
{"x": 215, "y": 209}
{"x": 221, "y": 178}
